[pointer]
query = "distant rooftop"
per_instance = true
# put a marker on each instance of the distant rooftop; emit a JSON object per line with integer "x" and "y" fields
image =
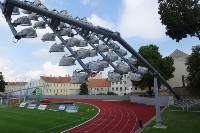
{"x": 98, "y": 83}
{"x": 177, "y": 53}
{"x": 56, "y": 79}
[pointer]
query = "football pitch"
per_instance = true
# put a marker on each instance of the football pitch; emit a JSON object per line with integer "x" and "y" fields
{"x": 23, "y": 120}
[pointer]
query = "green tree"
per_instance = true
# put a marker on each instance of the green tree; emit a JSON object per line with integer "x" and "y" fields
{"x": 193, "y": 68}
{"x": 164, "y": 66}
{"x": 181, "y": 18}
{"x": 2, "y": 83}
{"x": 83, "y": 89}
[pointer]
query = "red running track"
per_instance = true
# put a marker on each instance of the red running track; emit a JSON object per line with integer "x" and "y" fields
{"x": 114, "y": 117}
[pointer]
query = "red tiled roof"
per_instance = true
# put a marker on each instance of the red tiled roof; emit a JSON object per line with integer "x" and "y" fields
{"x": 98, "y": 83}
{"x": 56, "y": 79}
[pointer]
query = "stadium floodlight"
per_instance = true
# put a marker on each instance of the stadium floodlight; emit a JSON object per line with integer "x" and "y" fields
{"x": 102, "y": 48}
{"x": 123, "y": 67}
{"x": 23, "y": 21}
{"x": 15, "y": 11}
{"x": 142, "y": 70}
{"x": 93, "y": 39}
{"x": 132, "y": 60}
{"x": 104, "y": 63}
{"x": 122, "y": 52}
{"x": 95, "y": 66}
{"x": 93, "y": 53}
{"x": 72, "y": 41}
{"x": 27, "y": 33}
{"x": 79, "y": 77}
{"x": 33, "y": 16}
{"x": 67, "y": 61}
{"x": 115, "y": 46}
{"x": 66, "y": 32}
{"x": 57, "y": 48}
{"x": 83, "y": 53}
{"x": 49, "y": 37}
{"x": 37, "y": 2}
{"x": 114, "y": 76}
{"x": 82, "y": 43}
{"x": 39, "y": 25}
{"x": 135, "y": 76}
{"x": 111, "y": 56}
{"x": 64, "y": 13}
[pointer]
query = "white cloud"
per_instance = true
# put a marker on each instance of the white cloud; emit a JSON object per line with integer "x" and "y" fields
{"x": 140, "y": 18}
{"x": 96, "y": 20}
{"x": 85, "y": 2}
{"x": 47, "y": 69}
{"x": 91, "y": 3}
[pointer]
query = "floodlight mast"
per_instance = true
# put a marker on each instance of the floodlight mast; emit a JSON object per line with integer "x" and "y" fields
{"x": 9, "y": 5}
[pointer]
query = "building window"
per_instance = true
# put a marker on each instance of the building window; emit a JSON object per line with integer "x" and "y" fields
{"x": 61, "y": 90}
{"x": 120, "y": 82}
{"x": 124, "y": 76}
{"x": 49, "y": 90}
{"x": 97, "y": 89}
{"x": 112, "y": 88}
{"x": 112, "y": 83}
{"x": 135, "y": 87}
{"x": 124, "y": 82}
{"x": 101, "y": 89}
{"x": 116, "y": 83}
{"x": 116, "y": 88}
{"x": 121, "y": 89}
{"x": 125, "y": 88}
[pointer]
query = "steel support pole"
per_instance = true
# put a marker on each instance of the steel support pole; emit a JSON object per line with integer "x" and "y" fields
{"x": 157, "y": 104}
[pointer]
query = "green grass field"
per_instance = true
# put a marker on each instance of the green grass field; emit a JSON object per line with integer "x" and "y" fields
{"x": 177, "y": 122}
{"x": 23, "y": 120}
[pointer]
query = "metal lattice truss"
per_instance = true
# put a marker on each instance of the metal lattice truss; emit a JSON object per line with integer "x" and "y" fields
{"x": 62, "y": 24}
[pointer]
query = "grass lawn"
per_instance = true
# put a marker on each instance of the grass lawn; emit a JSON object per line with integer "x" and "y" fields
{"x": 23, "y": 120}
{"x": 177, "y": 122}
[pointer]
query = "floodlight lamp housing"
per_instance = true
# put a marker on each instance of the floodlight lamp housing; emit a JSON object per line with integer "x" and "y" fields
{"x": 114, "y": 77}
{"x": 124, "y": 68}
{"x": 57, "y": 48}
{"x": 26, "y": 33}
{"x": 39, "y": 25}
{"x": 132, "y": 60}
{"x": 112, "y": 56}
{"x": 72, "y": 42}
{"x": 15, "y": 11}
{"x": 66, "y": 32}
{"x": 33, "y": 16}
{"x": 102, "y": 48}
{"x": 67, "y": 61}
{"x": 104, "y": 63}
{"x": 122, "y": 52}
{"x": 142, "y": 70}
{"x": 23, "y": 21}
{"x": 135, "y": 76}
{"x": 79, "y": 78}
{"x": 95, "y": 66}
{"x": 82, "y": 43}
{"x": 92, "y": 52}
{"x": 83, "y": 53}
{"x": 48, "y": 37}
{"x": 93, "y": 39}
{"x": 115, "y": 46}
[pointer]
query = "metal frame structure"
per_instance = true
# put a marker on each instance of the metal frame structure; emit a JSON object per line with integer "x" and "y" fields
{"x": 103, "y": 34}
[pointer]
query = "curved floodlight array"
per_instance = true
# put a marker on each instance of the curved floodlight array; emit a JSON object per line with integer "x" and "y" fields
{"x": 67, "y": 61}
{"x": 79, "y": 77}
{"x": 49, "y": 37}
{"x": 23, "y": 21}
{"x": 57, "y": 48}
{"x": 27, "y": 33}
{"x": 39, "y": 25}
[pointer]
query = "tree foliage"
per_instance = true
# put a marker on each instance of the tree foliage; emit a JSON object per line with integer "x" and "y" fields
{"x": 164, "y": 66}
{"x": 83, "y": 89}
{"x": 181, "y": 17}
{"x": 193, "y": 68}
{"x": 2, "y": 83}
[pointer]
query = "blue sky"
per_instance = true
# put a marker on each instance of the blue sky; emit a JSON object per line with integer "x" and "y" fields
{"x": 136, "y": 20}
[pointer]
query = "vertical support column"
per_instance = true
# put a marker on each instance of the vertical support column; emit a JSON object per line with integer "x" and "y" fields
{"x": 157, "y": 103}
